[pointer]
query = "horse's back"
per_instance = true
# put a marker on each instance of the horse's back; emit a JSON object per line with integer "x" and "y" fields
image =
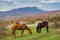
{"x": 20, "y": 26}
{"x": 43, "y": 24}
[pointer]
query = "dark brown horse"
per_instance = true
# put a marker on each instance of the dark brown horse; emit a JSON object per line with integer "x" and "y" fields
{"x": 22, "y": 27}
{"x": 42, "y": 25}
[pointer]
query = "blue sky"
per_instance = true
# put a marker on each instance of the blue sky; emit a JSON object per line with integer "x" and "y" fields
{"x": 47, "y": 5}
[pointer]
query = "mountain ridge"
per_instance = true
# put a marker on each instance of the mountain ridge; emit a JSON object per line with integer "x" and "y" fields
{"x": 22, "y": 11}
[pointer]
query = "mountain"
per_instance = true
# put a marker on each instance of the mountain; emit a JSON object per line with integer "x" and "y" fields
{"x": 22, "y": 12}
{"x": 39, "y": 15}
{"x": 49, "y": 15}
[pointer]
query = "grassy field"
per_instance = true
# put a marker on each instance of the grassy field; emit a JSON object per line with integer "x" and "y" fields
{"x": 52, "y": 35}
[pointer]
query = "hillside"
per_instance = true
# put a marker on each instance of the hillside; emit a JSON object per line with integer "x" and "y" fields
{"x": 22, "y": 12}
{"x": 45, "y": 15}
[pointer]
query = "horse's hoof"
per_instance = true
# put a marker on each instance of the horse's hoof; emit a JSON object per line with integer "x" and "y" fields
{"x": 47, "y": 31}
{"x": 38, "y": 32}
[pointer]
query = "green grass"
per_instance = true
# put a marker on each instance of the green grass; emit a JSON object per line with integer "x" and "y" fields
{"x": 52, "y": 35}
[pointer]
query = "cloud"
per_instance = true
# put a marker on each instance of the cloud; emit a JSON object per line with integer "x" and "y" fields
{"x": 9, "y": 5}
{"x": 6, "y": 5}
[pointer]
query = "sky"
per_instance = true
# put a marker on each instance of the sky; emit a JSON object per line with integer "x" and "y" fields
{"x": 47, "y": 5}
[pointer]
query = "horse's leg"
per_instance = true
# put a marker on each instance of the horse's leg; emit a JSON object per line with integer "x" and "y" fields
{"x": 22, "y": 32}
{"x": 13, "y": 32}
{"x": 40, "y": 30}
{"x": 47, "y": 29}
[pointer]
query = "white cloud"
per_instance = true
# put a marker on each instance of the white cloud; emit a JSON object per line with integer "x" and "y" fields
{"x": 54, "y": 9}
{"x": 12, "y": 4}
{"x": 50, "y": 1}
{"x": 16, "y": 4}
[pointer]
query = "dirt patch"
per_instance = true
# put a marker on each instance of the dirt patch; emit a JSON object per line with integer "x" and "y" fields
{"x": 58, "y": 30}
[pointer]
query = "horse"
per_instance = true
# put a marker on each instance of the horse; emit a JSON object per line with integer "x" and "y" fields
{"x": 22, "y": 27}
{"x": 42, "y": 25}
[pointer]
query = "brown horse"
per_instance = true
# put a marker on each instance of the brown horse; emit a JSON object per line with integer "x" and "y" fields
{"x": 22, "y": 27}
{"x": 42, "y": 25}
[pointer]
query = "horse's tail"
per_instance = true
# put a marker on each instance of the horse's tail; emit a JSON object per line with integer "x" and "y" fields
{"x": 37, "y": 29}
{"x": 29, "y": 30}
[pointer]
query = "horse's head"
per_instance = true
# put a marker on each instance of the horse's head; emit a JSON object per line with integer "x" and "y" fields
{"x": 29, "y": 30}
